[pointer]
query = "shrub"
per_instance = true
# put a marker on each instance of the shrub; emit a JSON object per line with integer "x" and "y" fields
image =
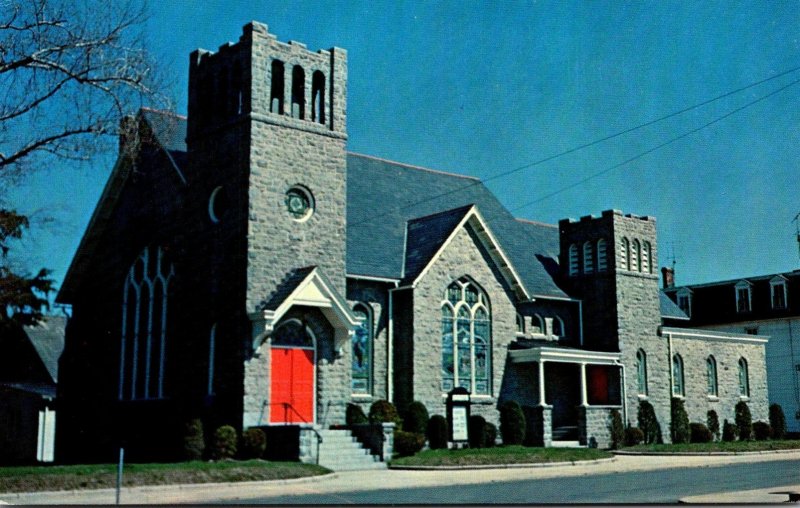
{"x": 616, "y": 429}
{"x": 254, "y": 442}
{"x": 744, "y": 421}
{"x": 633, "y": 436}
{"x": 648, "y": 422}
{"x": 194, "y": 443}
{"x": 490, "y": 433}
{"x": 408, "y": 443}
{"x": 777, "y": 421}
{"x": 383, "y": 411}
{"x": 354, "y": 415}
{"x": 712, "y": 420}
{"x": 699, "y": 433}
{"x": 476, "y": 428}
{"x": 729, "y": 431}
{"x": 416, "y": 418}
{"x": 437, "y": 432}
{"x": 761, "y": 431}
{"x": 679, "y": 426}
{"x": 224, "y": 445}
{"x": 512, "y": 423}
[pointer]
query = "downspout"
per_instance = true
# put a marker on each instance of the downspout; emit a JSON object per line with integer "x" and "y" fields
{"x": 669, "y": 366}
{"x": 580, "y": 321}
{"x": 390, "y": 346}
{"x": 624, "y": 394}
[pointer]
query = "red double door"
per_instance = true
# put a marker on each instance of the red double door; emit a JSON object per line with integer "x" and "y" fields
{"x": 292, "y": 387}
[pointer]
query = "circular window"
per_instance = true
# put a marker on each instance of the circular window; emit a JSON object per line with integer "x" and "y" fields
{"x": 300, "y": 203}
{"x": 217, "y": 204}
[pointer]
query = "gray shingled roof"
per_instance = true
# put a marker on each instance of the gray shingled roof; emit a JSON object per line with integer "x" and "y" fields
{"x": 169, "y": 129}
{"x": 669, "y": 309}
{"x": 285, "y": 288}
{"x": 47, "y": 339}
{"x": 426, "y": 236}
{"x": 383, "y": 196}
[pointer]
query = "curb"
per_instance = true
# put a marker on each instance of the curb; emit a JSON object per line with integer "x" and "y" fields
{"x": 704, "y": 454}
{"x": 504, "y": 466}
{"x": 173, "y": 486}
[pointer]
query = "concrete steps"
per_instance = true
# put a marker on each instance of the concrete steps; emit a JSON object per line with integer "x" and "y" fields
{"x": 340, "y": 451}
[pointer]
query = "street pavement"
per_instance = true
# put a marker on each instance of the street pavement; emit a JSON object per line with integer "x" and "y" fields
{"x": 343, "y": 482}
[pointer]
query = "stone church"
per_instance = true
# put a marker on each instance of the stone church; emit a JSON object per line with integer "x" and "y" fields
{"x": 243, "y": 267}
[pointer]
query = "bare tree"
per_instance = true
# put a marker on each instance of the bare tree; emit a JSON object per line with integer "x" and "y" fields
{"x": 70, "y": 70}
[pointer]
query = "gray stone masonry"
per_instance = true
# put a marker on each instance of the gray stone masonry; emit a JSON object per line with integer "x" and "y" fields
{"x": 593, "y": 426}
{"x": 465, "y": 255}
{"x": 539, "y": 425}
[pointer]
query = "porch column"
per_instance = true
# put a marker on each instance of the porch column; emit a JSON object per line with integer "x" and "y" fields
{"x": 541, "y": 383}
{"x": 584, "y": 399}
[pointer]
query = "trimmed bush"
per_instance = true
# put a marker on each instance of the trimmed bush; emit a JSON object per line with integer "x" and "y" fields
{"x": 679, "y": 426}
{"x": 383, "y": 411}
{"x": 416, "y": 418}
{"x": 633, "y": 436}
{"x": 512, "y": 423}
{"x": 617, "y": 429}
{"x": 490, "y": 433}
{"x": 437, "y": 432}
{"x": 648, "y": 422}
{"x": 194, "y": 443}
{"x": 699, "y": 433}
{"x": 761, "y": 431}
{"x": 476, "y": 428}
{"x": 408, "y": 443}
{"x": 712, "y": 420}
{"x": 777, "y": 421}
{"x": 224, "y": 444}
{"x": 729, "y": 431}
{"x": 354, "y": 415}
{"x": 254, "y": 442}
{"x": 744, "y": 421}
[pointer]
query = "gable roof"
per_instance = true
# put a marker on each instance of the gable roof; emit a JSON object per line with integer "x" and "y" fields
{"x": 47, "y": 339}
{"x": 669, "y": 309}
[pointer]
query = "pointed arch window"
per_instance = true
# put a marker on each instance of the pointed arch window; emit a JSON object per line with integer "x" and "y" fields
{"x": 711, "y": 376}
{"x": 573, "y": 260}
{"x": 624, "y": 253}
{"x": 602, "y": 256}
{"x": 588, "y": 257}
{"x": 144, "y": 337}
{"x": 678, "y": 388}
{"x": 520, "y": 324}
{"x": 744, "y": 378}
{"x": 646, "y": 257}
{"x": 635, "y": 258}
{"x": 641, "y": 372}
{"x": 362, "y": 351}
{"x": 466, "y": 338}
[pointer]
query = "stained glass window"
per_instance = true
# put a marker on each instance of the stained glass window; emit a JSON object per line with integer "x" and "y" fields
{"x": 711, "y": 375}
{"x": 362, "y": 351}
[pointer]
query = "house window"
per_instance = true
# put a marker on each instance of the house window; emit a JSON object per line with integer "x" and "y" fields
{"x": 466, "y": 338}
{"x": 685, "y": 301}
{"x": 573, "y": 260}
{"x": 711, "y": 376}
{"x": 635, "y": 259}
{"x": 362, "y": 351}
{"x": 588, "y": 258}
{"x": 743, "y": 297}
{"x": 678, "y": 388}
{"x": 646, "y": 257}
{"x": 641, "y": 372}
{"x": 602, "y": 256}
{"x": 144, "y": 326}
{"x": 778, "y": 290}
{"x": 744, "y": 378}
{"x": 624, "y": 252}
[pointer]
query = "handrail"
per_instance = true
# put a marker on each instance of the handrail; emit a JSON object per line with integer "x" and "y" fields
{"x": 289, "y": 406}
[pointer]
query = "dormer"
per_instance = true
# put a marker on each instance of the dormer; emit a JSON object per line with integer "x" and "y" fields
{"x": 778, "y": 290}
{"x": 744, "y": 302}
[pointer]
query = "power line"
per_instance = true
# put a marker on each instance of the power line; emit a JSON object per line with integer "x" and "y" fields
{"x": 588, "y": 145}
{"x": 657, "y": 147}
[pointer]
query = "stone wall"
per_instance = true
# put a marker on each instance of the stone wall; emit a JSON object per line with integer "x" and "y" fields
{"x": 593, "y": 426}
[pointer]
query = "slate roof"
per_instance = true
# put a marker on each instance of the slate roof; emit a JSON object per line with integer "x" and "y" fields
{"x": 285, "y": 288}
{"x": 47, "y": 339}
{"x": 425, "y": 236}
{"x": 383, "y": 197}
{"x": 669, "y": 309}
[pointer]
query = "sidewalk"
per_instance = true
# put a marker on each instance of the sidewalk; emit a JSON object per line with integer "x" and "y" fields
{"x": 400, "y": 479}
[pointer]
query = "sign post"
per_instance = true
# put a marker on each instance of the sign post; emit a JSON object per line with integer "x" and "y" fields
{"x": 458, "y": 409}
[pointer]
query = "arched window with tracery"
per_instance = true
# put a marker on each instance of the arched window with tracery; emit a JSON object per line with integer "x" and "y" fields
{"x": 466, "y": 338}
{"x": 362, "y": 351}
{"x": 144, "y": 326}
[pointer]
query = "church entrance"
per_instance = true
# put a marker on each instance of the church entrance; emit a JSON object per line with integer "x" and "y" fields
{"x": 292, "y": 374}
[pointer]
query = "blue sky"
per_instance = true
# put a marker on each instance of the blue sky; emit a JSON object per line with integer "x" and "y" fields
{"x": 481, "y": 88}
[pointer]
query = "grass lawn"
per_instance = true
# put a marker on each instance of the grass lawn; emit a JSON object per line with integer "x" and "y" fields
{"x": 499, "y": 455}
{"x": 100, "y": 476}
{"x": 733, "y": 446}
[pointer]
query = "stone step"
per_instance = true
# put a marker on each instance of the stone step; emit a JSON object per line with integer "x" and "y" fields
{"x": 340, "y": 451}
{"x": 566, "y": 444}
